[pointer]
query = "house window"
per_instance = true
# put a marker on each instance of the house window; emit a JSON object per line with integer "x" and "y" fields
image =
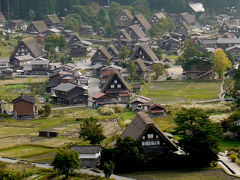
{"x": 143, "y": 57}
{"x": 156, "y": 136}
{"x": 115, "y": 81}
{"x": 112, "y": 86}
{"x": 140, "y": 52}
{"x": 121, "y": 36}
{"x": 119, "y": 86}
{"x": 143, "y": 144}
{"x": 99, "y": 53}
{"x": 158, "y": 142}
{"x": 143, "y": 137}
{"x": 150, "y": 136}
{"x": 147, "y": 143}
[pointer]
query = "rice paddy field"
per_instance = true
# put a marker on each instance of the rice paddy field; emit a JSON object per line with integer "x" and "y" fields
{"x": 171, "y": 92}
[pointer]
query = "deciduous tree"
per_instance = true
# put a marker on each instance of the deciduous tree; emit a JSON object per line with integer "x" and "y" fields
{"x": 199, "y": 136}
{"x": 66, "y": 161}
{"x": 221, "y": 62}
{"x": 91, "y": 130}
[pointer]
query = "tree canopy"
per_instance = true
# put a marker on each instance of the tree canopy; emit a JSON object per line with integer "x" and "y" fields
{"x": 199, "y": 136}
{"x": 66, "y": 161}
{"x": 91, "y": 130}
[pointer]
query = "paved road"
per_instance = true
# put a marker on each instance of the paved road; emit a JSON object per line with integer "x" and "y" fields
{"x": 222, "y": 92}
{"x": 47, "y": 166}
{"x": 229, "y": 166}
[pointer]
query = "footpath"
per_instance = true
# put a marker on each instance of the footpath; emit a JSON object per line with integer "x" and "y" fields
{"x": 48, "y": 166}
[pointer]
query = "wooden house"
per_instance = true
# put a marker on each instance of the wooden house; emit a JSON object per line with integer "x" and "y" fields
{"x": 112, "y": 51}
{"x": 52, "y": 21}
{"x": 123, "y": 19}
{"x": 17, "y": 25}
{"x": 141, "y": 68}
{"x": 156, "y": 110}
{"x": 142, "y": 22}
{"x": 123, "y": 39}
{"x": 157, "y": 16}
{"x": 101, "y": 56}
{"x": 37, "y": 27}
{"x": 107, "y": 71}
{"x": 89, "y": 155}
{"x": 151, "y": 138}
{"x": 182, "y": 28}
{"x": 67, "y": 33}
{"x": 38, "y": 66}
{"x": 26, "y": 51}
{"x": 187, "y": 18}
{"x": 202, "y": 69}
{"x": 86, "y": 31}
{"x": 209, "y": 43}
{"x": 234, "y": 51}
{"x": 146, "y": 54}
{"x": 101, "y": 31}
{"x": 101, "y": 99}
{"x": 225, "y": 43}
{"x": 135, "y": 32}
{"x": 73, "y": 39}
{"x": 68, "y": 93}
{"x": 81, "y": 48}
{"x": 116, "y": 87}
{"x": 2, "y": 19}
{"x": 24, "y": 107}
{"x": 140, "y": 103}
{"x": 230, "y": 27}
{"x": 171, "y": 46}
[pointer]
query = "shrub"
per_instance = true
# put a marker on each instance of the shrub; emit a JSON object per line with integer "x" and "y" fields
{"x": 210, "y": 108}
{"x": 213, "y": 164}
{"x": 117, "y": 109}
{"x": 106, "y": 110}
{"x": 233, "y": 157}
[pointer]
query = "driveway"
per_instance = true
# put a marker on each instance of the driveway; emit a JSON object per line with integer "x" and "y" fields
{"x": 93, "y": 86}
{"x": 175, "y": 72}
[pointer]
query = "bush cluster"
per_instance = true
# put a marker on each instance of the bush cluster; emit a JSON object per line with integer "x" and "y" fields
{"x": 210, "y": 108}
{"x": 110, "y": 110}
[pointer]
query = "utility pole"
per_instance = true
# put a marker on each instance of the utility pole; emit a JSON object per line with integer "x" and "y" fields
{"x": 8, "y": 8}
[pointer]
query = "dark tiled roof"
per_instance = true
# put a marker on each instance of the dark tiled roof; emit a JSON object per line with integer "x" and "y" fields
{"x": 86, "y": 149}
{"x": 228, "y": 40}
{"x": 33, "y": 46}
{"x": 30, "y": 99}
{"x": 115, "y": 73}
{"x": 142, "y": 20}
{"x": 65, "y": 87}
{"x": 40, "y": 26}
{"x": 53, "y": 19}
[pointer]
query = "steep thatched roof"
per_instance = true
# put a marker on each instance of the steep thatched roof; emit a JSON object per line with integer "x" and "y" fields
{"x": 143, "y": 21}
{"x": 115, "y": 73}
{"x": 53, "y": 19}
{"x": 137, "y": 30}
{"x": 141, "y": 65}
{"x": 40, "y": 26}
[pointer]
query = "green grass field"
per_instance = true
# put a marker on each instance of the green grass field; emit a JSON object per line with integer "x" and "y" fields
{"x": 167, "y": 92}
{"x": 209, "y": 174}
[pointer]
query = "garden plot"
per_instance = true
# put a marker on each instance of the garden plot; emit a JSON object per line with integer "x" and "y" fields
{"x": 169, "y": 92}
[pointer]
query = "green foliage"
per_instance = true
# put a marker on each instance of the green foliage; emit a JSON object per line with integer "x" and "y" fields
{"x": 32, "y": 15}
{"x": 106, "y": 110}
{"x": 47, "y": 109}
{"x": 102, "y": 16}
{"x": 234, "y": 120}
{"x": 91, "y": 130}
{"x": 72, "y": 22}
{"x": 192, "y": 54}
{"x": 221, "y": 62}
{"x": 164, "y": 25}
{"x": 124, "y": 53}
{"x": 108, "y": 168}
{"x": 158, "y": 69}
{"x": 200, "y": 137}
{"x": 66, "y": 59}
{"x": 132, "y": 70}
{"x": 233, "y": 157}
{"x": 158, "y": 52}
{"x": 66, "y": 161}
